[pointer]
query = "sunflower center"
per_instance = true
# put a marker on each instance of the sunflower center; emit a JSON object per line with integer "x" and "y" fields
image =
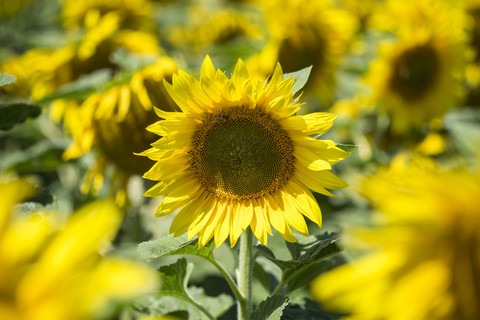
{"x": 415, "y": 72}
{"x": 240, "y": 153}
{"x": 475, "y": 36}
{"x": 119, "y": 140}
{"x": 306, "y": 48}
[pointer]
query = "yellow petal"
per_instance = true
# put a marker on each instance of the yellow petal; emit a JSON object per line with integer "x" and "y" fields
{"x": 304, "y": 201}
{"x": 311, "y": 160}
{"x": 318, "y": 122}
{"x": 72, "y": 249}
{"x": 307, "y": 177}
{"x": 292, "y": 215}
{"x": 223, "y": 226}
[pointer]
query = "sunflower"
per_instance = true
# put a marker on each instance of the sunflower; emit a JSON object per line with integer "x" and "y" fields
{"x": 51, "y": 271}
{"x": 208, "y": 27}
{"x": 237, "y": 157}
{"x": 417, "y": 76}
{"x": 114, "y": 121}
{"x": 472, "y": 72}
{"x": 42, "y": 71}
{"x": 362, "y": 10}
{"x": 134, "y": 14}
{"x": 423, "y": 250}
{"x": 303, "y": 34}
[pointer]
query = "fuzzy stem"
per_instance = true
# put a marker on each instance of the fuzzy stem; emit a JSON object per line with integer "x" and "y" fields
{"x": 245, "y": 275}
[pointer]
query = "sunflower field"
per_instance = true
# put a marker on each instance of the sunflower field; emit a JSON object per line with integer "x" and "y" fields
{"x": 250, "y": 160}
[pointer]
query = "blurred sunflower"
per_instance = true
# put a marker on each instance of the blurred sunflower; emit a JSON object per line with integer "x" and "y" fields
{"x": 418, "y": 76}
{"x": 114, "y": 122}
{"x": 304, "y": 34}
{"x": 41, "y": 72}
{"x": 362, "y": 10}
{"x": 236, "y": 157}
{"x": 423, "y": 260}
{"x": 133, "y": 14}
{"x": 472, "y": 9}
{"x": 52, "y": 271}
{"x": 207, "y": 27}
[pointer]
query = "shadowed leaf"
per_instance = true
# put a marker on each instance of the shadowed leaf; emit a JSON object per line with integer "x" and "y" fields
{"x": 14, "y": 113}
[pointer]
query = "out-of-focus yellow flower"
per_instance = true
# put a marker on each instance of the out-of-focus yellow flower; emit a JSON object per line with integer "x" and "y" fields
{"x": 418, "y": 76}
{"x": 54, "y": 271}
{"x": 41, "y": 71}
{"x": 361, "y": 10}
{"x": 433, "y": 144}
{"x": 133, "y": 14}
{"x": 207, "y": 27}
{"x": 423, "y": 258}
{"x": 406, "y": 16}
{"x": 303, "y": 34}
{"x": 238, "y": 158}
{"x": 114, "y": 122}
{"x": 350, "y": 108}
{"x": 472, "y": 71}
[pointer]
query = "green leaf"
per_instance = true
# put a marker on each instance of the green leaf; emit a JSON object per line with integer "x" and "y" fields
{"x": 131, "y": 62}
{"x": 163, "y": 305}
{"x": 270, "y": 309}
{"x": 81, "y": 88}
{"x": 309, "y": 310}
{"x": 350, "y": 148}
{"x": 174, "y": 277}
{"x": 463, "y": 126}
{"x": 15, "y": 113}
{"x": 170, "y": 245}
{"x": 299, "y": 271}
{"x": 6, "y": 79}
{"x": 174, "y": 295}
{"x": 265, "y": 278}
{"x": 217, "y": 306}
{"x": 301, "y": 78}
{"x": 40, "y": 157}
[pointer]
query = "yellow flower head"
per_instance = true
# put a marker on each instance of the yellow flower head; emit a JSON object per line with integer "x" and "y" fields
{"x": 208, "y": 27}
{"x": 237, "y": 157}
{"x": 304, "y": 34}
{"x": 114, "y": 121}
{"x": 418, "y": 76}
{"x": 55, "y": 271}
{"x": 362, "y": 10}
{"x": 423, "y": 261}
{"x": 41, "y": 71}
{"x": 133, "y": 14}
{"x": 472, "y": 72}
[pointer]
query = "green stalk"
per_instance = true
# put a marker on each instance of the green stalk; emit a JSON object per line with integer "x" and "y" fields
{"x": 245, "y": 275}
{"x": 238, "y": 295}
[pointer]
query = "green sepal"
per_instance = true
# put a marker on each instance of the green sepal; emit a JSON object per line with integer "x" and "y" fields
{"x": 350, "y": 148}
{"x": 301, "y": 78}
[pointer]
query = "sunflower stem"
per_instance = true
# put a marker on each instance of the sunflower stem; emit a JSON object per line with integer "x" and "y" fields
{"x": 278, "y": 288}
{"x": 245, "y": 275}
{"x": 236, "y": 292}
